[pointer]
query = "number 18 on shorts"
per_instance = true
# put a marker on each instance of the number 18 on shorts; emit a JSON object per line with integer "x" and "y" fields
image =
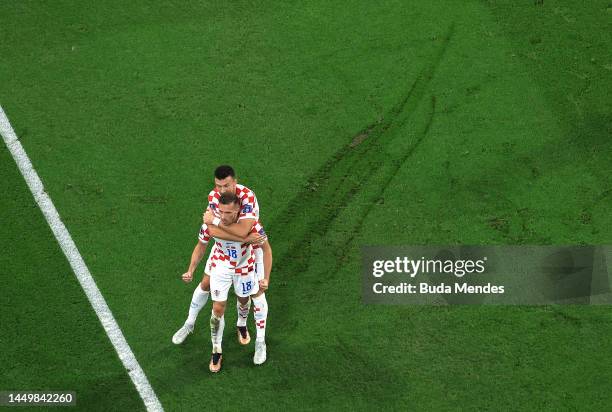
{"x": 222, "y": 278}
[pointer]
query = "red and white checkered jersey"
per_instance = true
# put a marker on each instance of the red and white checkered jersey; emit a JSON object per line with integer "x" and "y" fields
{"x": 230, "y": 254}
{"x": 249, "y": 208}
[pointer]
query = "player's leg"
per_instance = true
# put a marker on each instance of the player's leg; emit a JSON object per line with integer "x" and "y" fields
{"x": 260, "y": 313}
{"x": 243, "y": 309}
{"x": 243, "y": 305}
{"x": 219, "y": 283}
{"x": 198, "y": 301}
{"x": 217, "y": 325}
{"x": 200, "y": 297}
{"x": 244, "y": 285}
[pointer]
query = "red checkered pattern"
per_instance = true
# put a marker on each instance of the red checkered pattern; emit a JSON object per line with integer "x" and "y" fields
{"x": 244, "y": 261}
{"x": 204, "y": 235}
{"x": 242, "y": 266}
{"x": 260, "y": 323}
{"x": 249, "y": 208}
{"x": 258, "y": 228}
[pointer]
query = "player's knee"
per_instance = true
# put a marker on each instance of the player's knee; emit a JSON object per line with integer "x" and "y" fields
{"x": 243, "y": 300}
{"x": 218, "y": 309}
{"x": 260, "y": 300}
{"x": 205, "y": 284}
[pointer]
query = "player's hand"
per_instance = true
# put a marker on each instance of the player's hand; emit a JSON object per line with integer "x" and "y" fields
{"x": 263, "y": 285}
{"x": 187, "y": 277}
{"x": 256, "y": 239}
{"x": 208, "y": 217}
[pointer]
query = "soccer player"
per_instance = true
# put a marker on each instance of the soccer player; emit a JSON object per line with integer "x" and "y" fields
{"x": 232, "y": 263}
{"x": 225, "y": 182}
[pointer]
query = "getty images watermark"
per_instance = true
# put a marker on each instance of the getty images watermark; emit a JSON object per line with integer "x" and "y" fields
{"x": 442, "y": 275}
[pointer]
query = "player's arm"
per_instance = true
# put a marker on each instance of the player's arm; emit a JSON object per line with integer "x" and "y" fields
{"x": 198, "y": 253}
{"x": 253, "y": 238}
{"x": 239, "y": 230}
{"x": 196, "y": 256}
{"x": 219, "y": 233}
{"x": 242, "y": 228}
{"x": 267, "y": 259}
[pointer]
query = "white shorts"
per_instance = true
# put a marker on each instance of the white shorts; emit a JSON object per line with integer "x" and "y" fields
{"x": 208, "y": 267}
{"x": 221, "y": 278}
{"x": 259, "y": 265}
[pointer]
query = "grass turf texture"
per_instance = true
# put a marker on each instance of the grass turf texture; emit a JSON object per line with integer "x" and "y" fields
{"x": 403, "y": 123}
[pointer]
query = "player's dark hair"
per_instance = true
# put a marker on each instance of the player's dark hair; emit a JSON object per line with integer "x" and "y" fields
{"x": 224, "y": 171}
{"x": 228, "y": 199}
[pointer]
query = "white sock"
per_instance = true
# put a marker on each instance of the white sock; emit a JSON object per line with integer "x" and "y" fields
{"x": 217, "y": 324}
{"x": 260, "y": 312}
{"x": 243, "y": 312}
{"x": 198, "y": 301}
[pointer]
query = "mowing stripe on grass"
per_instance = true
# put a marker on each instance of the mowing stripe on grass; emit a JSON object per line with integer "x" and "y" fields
{"x": 367, "y": 164}
{"x": 78, "y": 266}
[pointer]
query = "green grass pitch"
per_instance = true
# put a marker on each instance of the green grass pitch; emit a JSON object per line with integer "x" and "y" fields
{"x": 356, "y": 123}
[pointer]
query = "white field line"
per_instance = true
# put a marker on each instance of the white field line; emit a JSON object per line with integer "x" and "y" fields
{"x": 78, "y": 266}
